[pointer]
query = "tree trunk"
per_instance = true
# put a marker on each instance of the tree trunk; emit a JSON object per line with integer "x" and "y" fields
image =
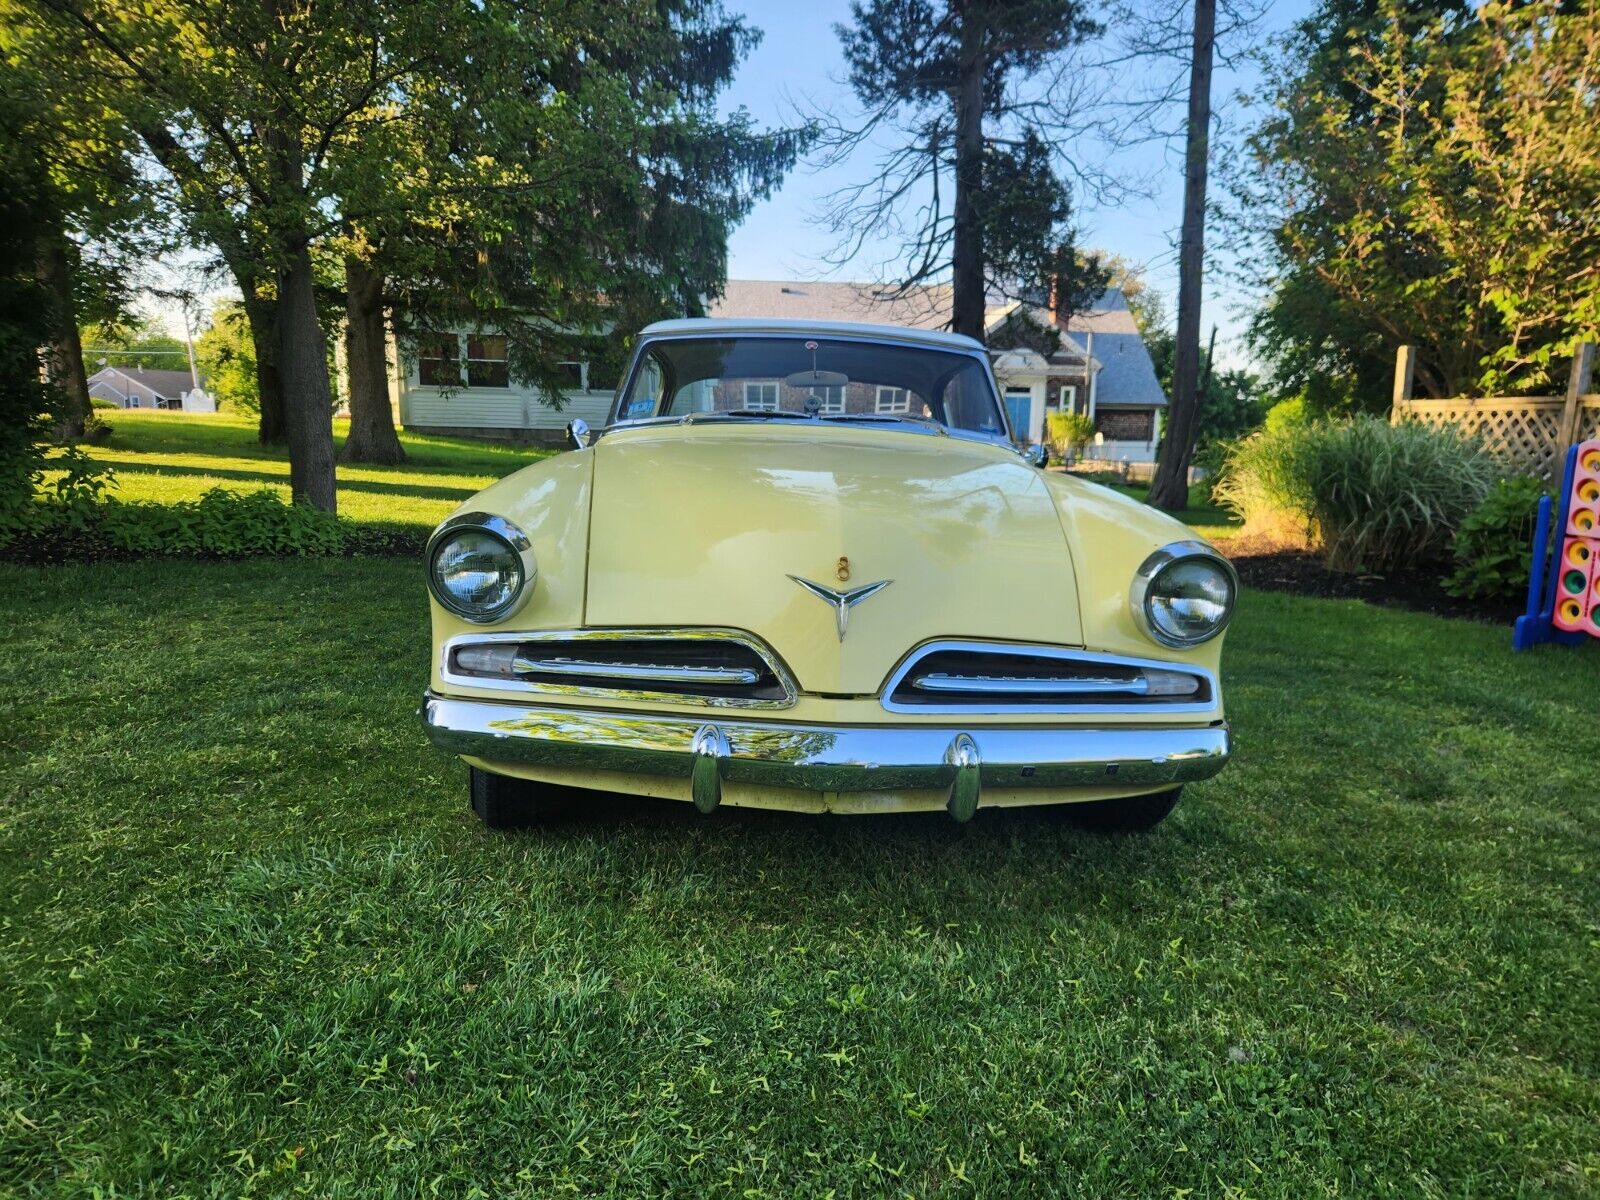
{"x": 64, "y": 353}
{"x": 966, "y": 259}
{"x": 1170, "y": 488}
{"x": 307, "y": 398}
{"x": 263, "y": 317}
{"x": 372, "y": 436}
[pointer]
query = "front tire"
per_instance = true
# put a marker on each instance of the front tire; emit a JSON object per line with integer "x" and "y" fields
{"x": 1132, "y": 814}
{"x": 505, "y": 802}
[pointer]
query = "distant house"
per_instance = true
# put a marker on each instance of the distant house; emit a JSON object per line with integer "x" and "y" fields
{"x": 1100, "y": 366}
{"x": 144, "y": 387}
{"x": 460, "y": 383}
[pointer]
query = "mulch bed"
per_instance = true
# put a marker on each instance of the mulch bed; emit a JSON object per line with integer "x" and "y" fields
{"x": 1300, "y": 571}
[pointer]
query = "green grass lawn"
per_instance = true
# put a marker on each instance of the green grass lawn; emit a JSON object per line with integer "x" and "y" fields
{"x": 166, "y": 456}
{"x": 251, "y": 942}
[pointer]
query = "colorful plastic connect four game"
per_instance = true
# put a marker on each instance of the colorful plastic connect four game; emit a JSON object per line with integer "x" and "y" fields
{"x": 1566, "y": 606}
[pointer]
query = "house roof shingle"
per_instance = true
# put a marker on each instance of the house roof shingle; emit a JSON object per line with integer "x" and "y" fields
{"x": 1127, "y": 375}
{"x": 169, "y": 385}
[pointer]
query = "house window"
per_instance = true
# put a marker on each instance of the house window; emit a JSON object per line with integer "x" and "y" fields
{"x": 761, "y": 396}
{"x": 1069, "y": 397}
{"x": 439, "y": 360}
{"x": 893, "y": 400}
{"x": 832, "y": 397}
{"x": 133, "y": 402}
{"x": 574, "y": 375}
{"x": 1126, "y": 424}
{"x": 487, "y": 366}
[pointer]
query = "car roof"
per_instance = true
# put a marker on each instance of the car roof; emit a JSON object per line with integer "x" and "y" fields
{"x": 784, "y": 327}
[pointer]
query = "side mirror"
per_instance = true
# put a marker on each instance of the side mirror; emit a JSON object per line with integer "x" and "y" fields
{"x": 1037, "y": 456}
{"x": 578, "y": 433}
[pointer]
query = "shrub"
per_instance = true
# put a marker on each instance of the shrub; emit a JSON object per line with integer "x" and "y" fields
{"x": 221, "y": 524}
{"x": 1262, "y": 481}
{"x": 1384, "y": 495}
{"x": 98, "y": 403}
{"x": 1066, "y": 433}
{"x": 1493, "y": 543}
{"x": 1287, "y": 413}
{"x": 1371, "y": 494}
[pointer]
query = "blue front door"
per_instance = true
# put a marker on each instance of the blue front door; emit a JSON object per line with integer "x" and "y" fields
{"x": 1019, "y": 405}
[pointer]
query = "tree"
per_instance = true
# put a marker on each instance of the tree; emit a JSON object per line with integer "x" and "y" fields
{"x": 634, "y": 210}
{"x": 1430, "y": 177}
{"x": 965, "y": 89}
{"x": 225, "y": 355}
{"x": 539, "y": 142}
{"x": 89, "y": 212}
{"x": 1170, "y": 487}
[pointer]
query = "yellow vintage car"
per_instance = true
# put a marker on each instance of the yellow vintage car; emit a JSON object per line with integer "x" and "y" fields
{"x": 802, "y": 567}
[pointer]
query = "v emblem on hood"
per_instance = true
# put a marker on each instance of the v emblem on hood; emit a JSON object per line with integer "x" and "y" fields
{"x": 842, "y": 602}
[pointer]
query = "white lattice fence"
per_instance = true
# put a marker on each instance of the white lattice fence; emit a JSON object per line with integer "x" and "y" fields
{"x": 1523, "y": 432}
{"x": 1528, "y": 434}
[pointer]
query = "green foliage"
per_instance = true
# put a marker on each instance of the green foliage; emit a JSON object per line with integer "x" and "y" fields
{"x": 132, "y": 342}
{"x": 1373, "y": 495}
{"x": 1494, "y": 543}
{"x": 226, "y": 356}
{"x": 97, "y": 402}
{"x": 1427, "y": 174}
{"x": 221, "y": 524}
{"x": 1287, "y": 414}
{"x": 1066, "y": 433}
{"x": 1386, "y": 495}
{"x": 1264, "y": 483}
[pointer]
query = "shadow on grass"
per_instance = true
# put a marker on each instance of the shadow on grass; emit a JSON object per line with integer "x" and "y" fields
{"x": 345, "y": 484}
{"x": 881, "y": 869}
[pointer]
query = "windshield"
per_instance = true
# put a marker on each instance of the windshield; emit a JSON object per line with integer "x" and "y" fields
{"x": 755, "y": 377}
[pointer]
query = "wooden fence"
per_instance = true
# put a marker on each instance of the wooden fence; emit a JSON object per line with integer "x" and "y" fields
{"x": 1528, "y": 434}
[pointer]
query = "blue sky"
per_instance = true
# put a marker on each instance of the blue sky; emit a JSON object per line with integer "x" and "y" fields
{"x": 799, "y": 60}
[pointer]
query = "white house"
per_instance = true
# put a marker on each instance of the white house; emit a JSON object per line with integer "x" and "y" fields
{"x": 1100, "y": 367}
{"x": 145, "y": 387}
{"x": 460, "y": 384}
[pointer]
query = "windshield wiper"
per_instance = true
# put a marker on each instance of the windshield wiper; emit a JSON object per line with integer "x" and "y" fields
{"x": 889, "y": 417}
{"x": 718, "y": 414}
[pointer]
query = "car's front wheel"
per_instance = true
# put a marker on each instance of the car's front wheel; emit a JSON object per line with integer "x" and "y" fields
{"x": 505, "y": 802}
{"x": 1132, "y": 814}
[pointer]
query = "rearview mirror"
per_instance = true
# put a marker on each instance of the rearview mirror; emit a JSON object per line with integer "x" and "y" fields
{"x": 578, "y": 433}
{"x": 1037, "y": 456}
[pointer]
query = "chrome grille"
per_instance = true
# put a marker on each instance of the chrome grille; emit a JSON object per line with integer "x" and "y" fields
{"x": 975, "y": 676}
{"x": 712, "y": 667}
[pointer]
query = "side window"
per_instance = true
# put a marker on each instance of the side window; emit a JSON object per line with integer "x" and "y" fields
{"x": 646, "y": 394}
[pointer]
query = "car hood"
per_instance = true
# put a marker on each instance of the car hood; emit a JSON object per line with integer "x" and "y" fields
{"x": 704, "y": 526}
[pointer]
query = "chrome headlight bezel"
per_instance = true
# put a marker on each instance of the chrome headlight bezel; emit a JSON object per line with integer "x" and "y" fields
{"x": 498, "y": 528}
{"x": 1144, "y": 590}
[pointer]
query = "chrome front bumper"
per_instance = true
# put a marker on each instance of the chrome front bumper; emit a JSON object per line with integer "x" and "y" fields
{"x": 841, "y": 758}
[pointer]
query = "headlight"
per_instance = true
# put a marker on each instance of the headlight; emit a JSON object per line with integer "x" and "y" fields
{"x": 480, "y": 567}
{"x": 1183, "y": 594}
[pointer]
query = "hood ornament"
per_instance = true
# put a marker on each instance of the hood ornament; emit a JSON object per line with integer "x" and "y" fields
{"x": 842, "y": 602}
